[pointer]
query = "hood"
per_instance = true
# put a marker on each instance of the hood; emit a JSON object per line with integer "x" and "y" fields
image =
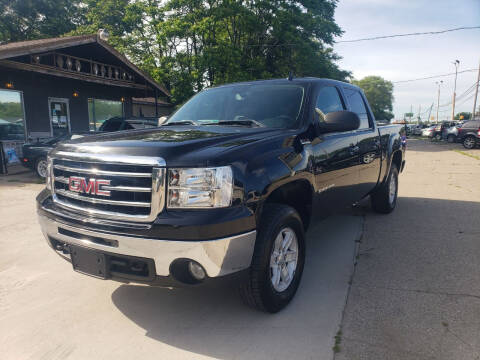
{"x": 178, "y": 145}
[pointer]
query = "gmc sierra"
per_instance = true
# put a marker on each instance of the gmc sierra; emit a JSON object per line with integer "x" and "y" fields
{"x": 226, "y": 187}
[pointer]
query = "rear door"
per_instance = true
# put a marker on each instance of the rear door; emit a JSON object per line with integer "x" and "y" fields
{"x": 369, "y": 148}
{"x": 468, "y": 127}
{"x": 335, "y": 160}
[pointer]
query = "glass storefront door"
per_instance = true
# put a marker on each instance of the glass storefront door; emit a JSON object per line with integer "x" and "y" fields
{"x": 59, "y": 116}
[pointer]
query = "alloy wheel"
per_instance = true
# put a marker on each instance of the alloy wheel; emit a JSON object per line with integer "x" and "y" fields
{"x": 469, "y": 142}
{"x": 42, "y": 168}
{"x": 392, "y": 189}
{"x": 283, "y": 259}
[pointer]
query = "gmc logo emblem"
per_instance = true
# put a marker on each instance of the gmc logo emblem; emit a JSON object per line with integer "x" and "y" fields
{"x": 93, "y": 186}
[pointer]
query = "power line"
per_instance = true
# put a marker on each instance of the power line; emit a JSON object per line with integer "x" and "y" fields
{"x": 465, "y": 100}
{"x": 410, "y": 34}
{"x": 433, "y": 76}
{"x": 466, "y": 92}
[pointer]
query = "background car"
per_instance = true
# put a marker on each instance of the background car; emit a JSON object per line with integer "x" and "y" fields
{"x": 451, "y": 133}
{"x": 469, "y": 134}
{"x": 439, "y": 130}
{"x": 428, "y": 132}
{"x": 120, "y": 123}
{"x": 35, "y": 154}
{"x": 417, "y": 130}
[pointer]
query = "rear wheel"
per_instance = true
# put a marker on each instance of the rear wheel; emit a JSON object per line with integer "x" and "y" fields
{"x": 469, "y": 142}
{"x": 438, "y": 137}
{"x": 41, "y": 167}
{"x": 278, "y": 260}
{"x": 384, "y": 199}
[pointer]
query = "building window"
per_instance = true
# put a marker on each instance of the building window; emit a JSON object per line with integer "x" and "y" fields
{"x": 12, "y": 124}
{"x": 101, "y": 110}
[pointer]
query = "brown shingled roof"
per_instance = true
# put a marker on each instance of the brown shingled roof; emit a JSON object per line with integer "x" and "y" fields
{"x": 33, "y": 46}
{"x": 20, "y": 48}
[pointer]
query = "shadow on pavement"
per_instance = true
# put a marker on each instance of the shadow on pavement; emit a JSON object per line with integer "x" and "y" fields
{"x": 213, "y": 321}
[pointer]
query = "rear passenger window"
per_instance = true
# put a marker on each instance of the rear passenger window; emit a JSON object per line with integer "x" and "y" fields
{"x": 358, "y": 106}
{"x": 328, "y": 101}
{"x": 471, "y": 124}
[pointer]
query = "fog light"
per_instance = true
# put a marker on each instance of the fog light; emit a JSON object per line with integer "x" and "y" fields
{"x": 196, "y": 270}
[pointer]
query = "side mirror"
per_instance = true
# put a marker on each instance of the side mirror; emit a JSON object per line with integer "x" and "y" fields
{"x": 339, "y": 121}
{"x": 162, "y": 120}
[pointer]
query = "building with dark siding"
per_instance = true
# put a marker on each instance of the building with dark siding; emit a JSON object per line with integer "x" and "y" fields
{"x": 70, "y": 84}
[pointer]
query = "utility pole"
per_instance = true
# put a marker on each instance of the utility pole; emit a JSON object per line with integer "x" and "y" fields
{"x": 430, "y": 113}
{"x": 438, "y": 97}
{"x": 456, "y": 63}
{"x": 418, "y": 117}
{"x": 476, "y": 93}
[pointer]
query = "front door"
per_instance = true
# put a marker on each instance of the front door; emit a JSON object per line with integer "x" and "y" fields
{"x": 59, "y": 116}
{"x": 335, "y": 159}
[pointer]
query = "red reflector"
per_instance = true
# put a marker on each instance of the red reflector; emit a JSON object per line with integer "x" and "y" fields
{"x": 25, "y": 160}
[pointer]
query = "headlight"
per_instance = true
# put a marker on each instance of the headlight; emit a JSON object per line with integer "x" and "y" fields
{"x": 49, "y": 178}
{"x": 200, "y": 188}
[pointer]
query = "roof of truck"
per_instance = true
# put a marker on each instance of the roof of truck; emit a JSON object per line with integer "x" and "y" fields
{"x": 301, "y": 80}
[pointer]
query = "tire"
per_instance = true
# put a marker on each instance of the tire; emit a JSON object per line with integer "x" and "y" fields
{"x": 384, "y": 200}
{"x": 41, "y": 167}
{"x": 451, "y": 138}
{"x": 265, "y": 288}
{"x": 438, "y": 137}
{"x": 469, "y": 142}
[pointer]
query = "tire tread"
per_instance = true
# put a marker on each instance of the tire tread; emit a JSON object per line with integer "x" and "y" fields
{"x": 251, "y": 289}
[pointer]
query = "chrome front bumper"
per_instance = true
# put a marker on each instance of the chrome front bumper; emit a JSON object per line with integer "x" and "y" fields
{"x": 218, "y": 257}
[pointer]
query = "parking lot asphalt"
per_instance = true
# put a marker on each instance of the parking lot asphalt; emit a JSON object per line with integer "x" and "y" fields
{"x": 416, "y": 289}
{"x": 415, "y": 292}
{"x": 47, "y": 311}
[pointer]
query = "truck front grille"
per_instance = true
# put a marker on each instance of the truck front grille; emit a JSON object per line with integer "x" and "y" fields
{"x": 135, "y": 185}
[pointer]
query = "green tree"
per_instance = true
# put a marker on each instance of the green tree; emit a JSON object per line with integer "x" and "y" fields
{"x": 466, "y": 115}
{"x": 33, "y": 19}
{"x": 379, "y": 93}
{"x": 191, "y": 44}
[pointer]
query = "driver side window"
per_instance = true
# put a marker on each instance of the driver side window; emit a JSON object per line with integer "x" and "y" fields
{"x": 328, "y": 100}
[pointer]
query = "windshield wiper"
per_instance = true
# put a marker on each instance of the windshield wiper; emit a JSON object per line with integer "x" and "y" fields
{"x": 241, "y": 122}
{"x": 183, "y": 122}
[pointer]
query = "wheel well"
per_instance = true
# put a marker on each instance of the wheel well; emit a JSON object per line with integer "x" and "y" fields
{"x": 297, "y": 194}
{"x": 397, "y": 159}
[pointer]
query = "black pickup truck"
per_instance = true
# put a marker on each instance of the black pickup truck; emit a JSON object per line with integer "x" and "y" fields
{"x": 224, "y": 190}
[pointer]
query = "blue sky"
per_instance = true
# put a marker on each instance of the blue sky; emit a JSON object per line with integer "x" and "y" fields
{"x": 412, "y": 57}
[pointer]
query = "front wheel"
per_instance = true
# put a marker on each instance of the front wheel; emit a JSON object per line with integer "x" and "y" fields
{"x": 41, "y": 167}
{"x": 469, "y": 142}
{"x": 278, "y": 260}
{"x": 384, "y": 199}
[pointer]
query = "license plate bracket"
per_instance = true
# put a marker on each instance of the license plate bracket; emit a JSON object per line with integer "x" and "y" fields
{"x": 89, "y": 262}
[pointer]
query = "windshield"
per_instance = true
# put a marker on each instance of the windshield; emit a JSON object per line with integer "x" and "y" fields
{"x": 276, "y": 106}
